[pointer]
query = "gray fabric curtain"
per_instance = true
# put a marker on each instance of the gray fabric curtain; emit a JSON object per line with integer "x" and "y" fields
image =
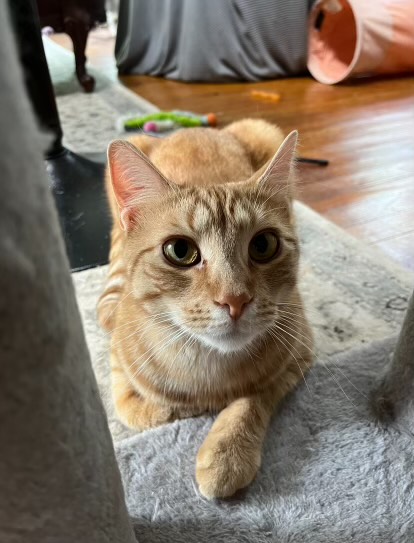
{"x": 212, "y": 40}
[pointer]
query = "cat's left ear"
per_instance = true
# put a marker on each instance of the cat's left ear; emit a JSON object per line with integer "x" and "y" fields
{"x": 134, "y": 179}
{"x": 279, "y": 172}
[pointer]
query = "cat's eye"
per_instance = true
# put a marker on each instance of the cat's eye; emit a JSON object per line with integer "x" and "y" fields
{"x": 181, "y": 252}
{"x": 264, "y": 247}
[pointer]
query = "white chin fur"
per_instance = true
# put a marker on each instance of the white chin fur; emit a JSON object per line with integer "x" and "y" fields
{"x": 234, "y": 341}
{"x": 229, "y": 343}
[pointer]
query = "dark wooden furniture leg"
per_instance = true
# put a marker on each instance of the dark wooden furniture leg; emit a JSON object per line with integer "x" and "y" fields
{"x": 76, "y": 182}
{"x": 76, "y": 18}
{"x": 78, "y": 31}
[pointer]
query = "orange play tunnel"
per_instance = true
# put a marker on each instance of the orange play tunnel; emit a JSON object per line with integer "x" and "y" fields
{"x": 354, "y": 38}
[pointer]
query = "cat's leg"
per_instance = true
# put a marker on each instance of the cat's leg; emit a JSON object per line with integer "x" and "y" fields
{"x": 132, "y": 409}
{"x": 230, "y": 456}
{"x": 137, "y": 412}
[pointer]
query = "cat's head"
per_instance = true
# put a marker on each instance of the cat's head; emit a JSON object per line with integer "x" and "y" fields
{"x": 213, "y": 261}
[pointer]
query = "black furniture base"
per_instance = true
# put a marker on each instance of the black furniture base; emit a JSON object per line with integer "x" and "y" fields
{"x": 77, "y": 184}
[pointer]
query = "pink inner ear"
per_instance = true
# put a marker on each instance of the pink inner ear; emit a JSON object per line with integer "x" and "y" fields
{"x": 281, "y": 165}
{"x": 121, "y": 195}
{"x": 135, "y": 180}
{"x": 126, "y": 191}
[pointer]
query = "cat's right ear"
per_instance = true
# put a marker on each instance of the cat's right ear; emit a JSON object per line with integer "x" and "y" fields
{"x": 134, "y": 179}
{"x": 279, "y": 171}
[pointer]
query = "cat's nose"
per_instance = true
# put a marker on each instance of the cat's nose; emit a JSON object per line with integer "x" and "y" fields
{"x": 235, "y": 304}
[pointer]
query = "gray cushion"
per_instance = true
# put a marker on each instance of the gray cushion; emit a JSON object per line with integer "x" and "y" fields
{"x": 331, "y": 472}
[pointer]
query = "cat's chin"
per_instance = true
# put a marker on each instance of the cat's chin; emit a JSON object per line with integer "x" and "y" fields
{"x": 231, "y": 342}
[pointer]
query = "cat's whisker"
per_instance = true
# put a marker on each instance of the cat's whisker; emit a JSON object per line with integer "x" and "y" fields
{"x": 170, "y": 334}
{"x": 247, "y": 350}
{"x": 299, "y": 307}
{"x": 297, "y": 336}
{"x": 141, "y": 328}
{"x": 284, "y": 341}
{"x": 292, "y": 318}
{"x": 189, "y": 340}
{"x": 273, "y": 194}
{"x": 176, "y": 334}
{"x": 272, "y": 210}
{"x": 296, "y": 312}
{"x": 325, "y": 366}
{"x": 143, "y": 365}
{"x": 133, "y": 322}
{"x": 130, "y": 323}
{"x": 332, "y": 361}
{"x": 116, "y": 306}
{"x": 291, "y": 353}
{"x": 171, "y": 364}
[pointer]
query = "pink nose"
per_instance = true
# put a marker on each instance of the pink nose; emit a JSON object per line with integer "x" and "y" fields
{"x": 235, "y": 304}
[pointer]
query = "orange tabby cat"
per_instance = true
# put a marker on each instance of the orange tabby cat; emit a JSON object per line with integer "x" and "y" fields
{"x": 202, "y": 297}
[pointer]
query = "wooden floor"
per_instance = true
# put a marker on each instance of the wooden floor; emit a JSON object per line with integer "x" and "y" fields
{"x": 365, "y": 130}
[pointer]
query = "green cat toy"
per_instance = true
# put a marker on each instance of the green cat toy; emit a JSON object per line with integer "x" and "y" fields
{"x": 163, "y": 121}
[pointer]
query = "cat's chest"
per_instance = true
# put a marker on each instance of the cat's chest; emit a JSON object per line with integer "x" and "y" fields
{"x": 193, "y": 375}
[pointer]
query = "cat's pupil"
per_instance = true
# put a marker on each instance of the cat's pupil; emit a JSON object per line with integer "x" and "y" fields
{"x": 261, "y": 244}
{"x": 181, "y": 248}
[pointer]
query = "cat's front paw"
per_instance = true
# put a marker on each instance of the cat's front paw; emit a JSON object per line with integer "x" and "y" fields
{"x": 139, "y": 414}
{"x": 225, "y": 465}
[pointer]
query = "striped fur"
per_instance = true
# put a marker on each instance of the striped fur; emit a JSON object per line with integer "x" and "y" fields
{"x": 175, "y": 351}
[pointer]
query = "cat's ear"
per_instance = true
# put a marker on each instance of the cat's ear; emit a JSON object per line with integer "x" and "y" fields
{"x": 279, "y": 172}
{"x": 135, "y": 180}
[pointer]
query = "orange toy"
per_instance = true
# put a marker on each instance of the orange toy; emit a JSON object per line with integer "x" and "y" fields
{"x": 265, "y": 95}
